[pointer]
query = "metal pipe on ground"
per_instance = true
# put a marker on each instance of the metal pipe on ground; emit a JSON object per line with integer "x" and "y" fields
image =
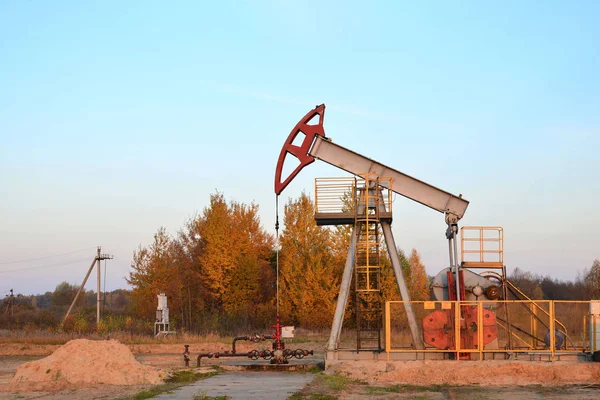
{"x": 255, "y": 355}
{"x": 253, "y": 338}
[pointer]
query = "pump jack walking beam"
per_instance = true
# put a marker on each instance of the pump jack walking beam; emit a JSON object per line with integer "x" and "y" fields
{"x": 316, "y": 146}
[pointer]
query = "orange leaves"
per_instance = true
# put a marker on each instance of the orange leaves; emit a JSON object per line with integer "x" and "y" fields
{"x": 419, "y": 282}
{"x": 310, "y": 282}
{"x": 219, "y": 269}
{"x": 150, "y": 273}
{"x": 219, "y": 262}
{"x": 218, "y": 258}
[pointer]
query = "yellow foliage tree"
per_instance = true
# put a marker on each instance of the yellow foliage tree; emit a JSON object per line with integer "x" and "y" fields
{"x": 152, "y": 272}
{"x": 217, "y": 259}
{"x": 309, "y": 282}
{"x": 419, "y": 282}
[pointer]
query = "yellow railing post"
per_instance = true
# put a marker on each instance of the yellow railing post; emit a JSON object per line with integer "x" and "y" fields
{"x": 534, "y": 324}
{"x": 594, "y": 333}
{"x": 480, "y": 331}
{"x": 552, "y": 330}
{"x": 584, "y": 331}
{"x": 388, "y": 330}
{"x": 457, "y": 329}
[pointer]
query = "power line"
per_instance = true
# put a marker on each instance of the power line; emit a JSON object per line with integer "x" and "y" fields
{"x": 45, "y": 266}
{"x": 41, "y": 258}
{"x": 122, "y": 262}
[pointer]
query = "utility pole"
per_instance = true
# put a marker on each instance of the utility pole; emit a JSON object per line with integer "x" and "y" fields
{"x": 99, "y": 257}
{"x": 10, "y": 303}
{"x": 99, "y": 286}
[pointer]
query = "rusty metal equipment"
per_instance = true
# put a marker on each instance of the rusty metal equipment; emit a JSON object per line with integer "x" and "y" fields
{"x": 438, "y": 326}
{"x": 278, "y": 355}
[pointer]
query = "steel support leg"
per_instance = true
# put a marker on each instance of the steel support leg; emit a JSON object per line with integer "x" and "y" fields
{"x": 451, "y": 235}
{"x": 412, "y": 320}
{"x": 340, "y": 308}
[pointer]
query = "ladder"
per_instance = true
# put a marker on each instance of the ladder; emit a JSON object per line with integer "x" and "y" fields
{"x": 367, "y": 268}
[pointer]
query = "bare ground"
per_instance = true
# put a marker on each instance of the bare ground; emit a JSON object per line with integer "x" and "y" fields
{"x": 488, "y": 373}
{"x": 372, "y": 380}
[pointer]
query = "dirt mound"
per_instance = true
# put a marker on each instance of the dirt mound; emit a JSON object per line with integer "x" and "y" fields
{"x": 84, "y": 362}
{"x": 489, "y": 373}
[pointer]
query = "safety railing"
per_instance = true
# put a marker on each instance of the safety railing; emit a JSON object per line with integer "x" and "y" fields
{"x": 335, "y": 195}
{"x": 480, "y": 329}
{"x": 482, "y": 246}
{"x": 340, "y": 195}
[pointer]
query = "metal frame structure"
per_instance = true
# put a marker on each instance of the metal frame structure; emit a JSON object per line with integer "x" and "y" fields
{"x": 533, "y": 349}
{"x": 315, "y": 145}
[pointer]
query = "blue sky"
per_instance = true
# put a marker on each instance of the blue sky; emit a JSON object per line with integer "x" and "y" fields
{"x": 117, "y": 118}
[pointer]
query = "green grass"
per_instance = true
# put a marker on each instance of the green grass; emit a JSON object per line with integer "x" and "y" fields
{"x": 321, "y": 385}
{"x": 311, "y": 396}
{"x": 314, "y": 369}
{"x": 333, "y": 382}
{"x": 178, "y": 379}
{"x": 187, "y": 376}
{"x": 328, "y": 387}
{"x": 406, "y": 388}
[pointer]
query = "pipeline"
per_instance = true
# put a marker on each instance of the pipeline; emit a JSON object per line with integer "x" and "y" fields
{"x": 255, "y": 338}
{"x": 186, "y": 355}
{"x": 279, "y": 354}
{"x": 255, "y": 355}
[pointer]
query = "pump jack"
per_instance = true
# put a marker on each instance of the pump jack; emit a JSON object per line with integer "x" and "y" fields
{"x": 316, "y": 146}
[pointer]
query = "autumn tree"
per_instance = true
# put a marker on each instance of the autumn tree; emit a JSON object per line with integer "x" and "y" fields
{"x": 252, "y": 275}
{"x": 188, "y": 250}
{"x": 217, "y": 269}
{"x": 64, "y": 293}
{"x": 152, "y": 272}
{"x": 528, "y": 283}
{"x": 309, "y": 281}
{"x": 592, "y": 281}
{"x": 419, "y": 283}
{"x": 217, "y": 259}
{"x": 389, "y": 286}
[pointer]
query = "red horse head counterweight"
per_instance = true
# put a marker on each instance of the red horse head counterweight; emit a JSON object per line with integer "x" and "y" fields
{"x": 300, "y": 152}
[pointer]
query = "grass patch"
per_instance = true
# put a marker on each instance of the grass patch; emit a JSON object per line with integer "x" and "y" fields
{"x": 311, "y": 396}
{"x": 188, "y": 376}
{"x": 333, "y": 382}
{"x": 178, "y": 379}
{"x": 323, "y": 387}
{"x": 315, "y": 369}
{"x": 405, "y": 388}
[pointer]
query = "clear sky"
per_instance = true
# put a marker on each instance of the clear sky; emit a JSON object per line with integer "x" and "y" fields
{"x": 118, "y": 117}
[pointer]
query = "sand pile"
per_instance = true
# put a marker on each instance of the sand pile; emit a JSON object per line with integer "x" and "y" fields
{"x": 84, "y": 362}
{"x": 489, "y": 373}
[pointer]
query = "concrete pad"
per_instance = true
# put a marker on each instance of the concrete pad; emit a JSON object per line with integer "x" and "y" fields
{"x": 244, "y": 385}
